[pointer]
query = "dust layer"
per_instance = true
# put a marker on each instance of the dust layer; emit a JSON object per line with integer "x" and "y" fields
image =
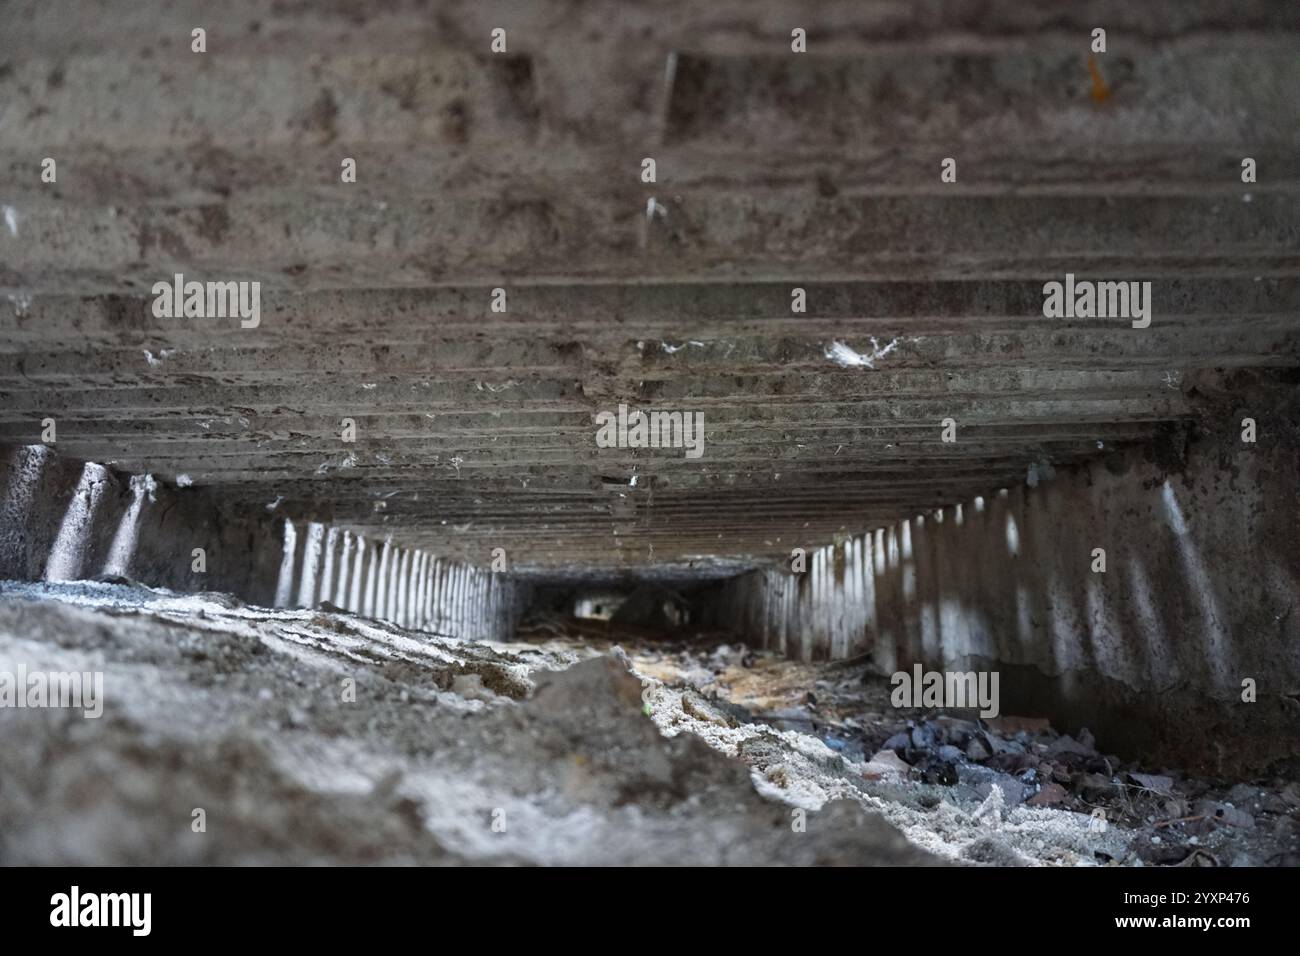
{"x": 234, "y": 734}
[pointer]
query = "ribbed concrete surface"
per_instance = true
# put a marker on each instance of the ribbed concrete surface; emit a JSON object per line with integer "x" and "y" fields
{"x": 476, "y": 429}
{"x": 1190, "y": 602}
{"x": 407, "y": 586}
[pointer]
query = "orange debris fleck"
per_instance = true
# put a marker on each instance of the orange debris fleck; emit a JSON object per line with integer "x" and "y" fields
{"x": 1100, "y": 91}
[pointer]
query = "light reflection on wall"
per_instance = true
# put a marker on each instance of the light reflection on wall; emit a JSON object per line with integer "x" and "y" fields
{"x": 122, "y": 551}
{"x": 69, "y": 552}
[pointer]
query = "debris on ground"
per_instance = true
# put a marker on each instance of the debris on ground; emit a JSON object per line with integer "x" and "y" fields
{"x": 311, "y": 737}
{"x": 316, "y": 736}
{"x": 1059, "y": 799}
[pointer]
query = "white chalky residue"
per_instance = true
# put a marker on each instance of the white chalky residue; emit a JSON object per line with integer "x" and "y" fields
{"x": 844, "y": 356}
{"x": 11, "y": 220}
{"x": 145, "y": 485}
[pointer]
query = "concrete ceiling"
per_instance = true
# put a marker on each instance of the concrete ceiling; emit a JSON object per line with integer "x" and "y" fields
{"x": 775, "y": 170}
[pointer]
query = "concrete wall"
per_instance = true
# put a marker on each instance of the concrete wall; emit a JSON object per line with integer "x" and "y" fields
{"x": 408, "y": 586}
{"x": 1201, "y": 591}
{"x": 62, "y": 519}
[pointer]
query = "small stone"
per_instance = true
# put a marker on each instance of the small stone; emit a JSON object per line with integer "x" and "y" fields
{"x": 1049, "y": 796}
{"x": 1153, "y": 782}
{"x": 1094, "y": 783}
{"x": 983, "y": 780}
{"x": 1001, "y": 746}
{"x": 899, "y": 741}
{"x": 1068, "y": 745}
{"x": 884, "y": 763}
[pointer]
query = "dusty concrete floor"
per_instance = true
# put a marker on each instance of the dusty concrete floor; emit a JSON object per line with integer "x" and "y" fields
{"x": 240, "y": 711}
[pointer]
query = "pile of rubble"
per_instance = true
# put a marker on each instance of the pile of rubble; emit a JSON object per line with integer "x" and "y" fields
{"x": 1176, "y": 820}
{"x": 1130, "y": 814}
{"x": 240, "y": 735}
{"x": 315, "y": 736}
